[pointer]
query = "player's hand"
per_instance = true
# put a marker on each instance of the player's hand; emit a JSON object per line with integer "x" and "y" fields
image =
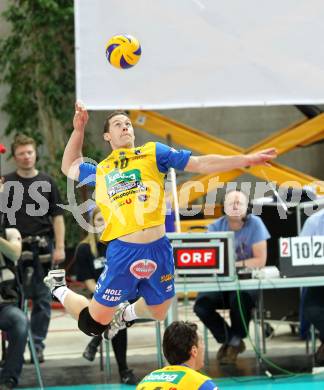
{"x": 58, "y": 255}
{"x": 261, "y": 158}
{"x": 80, "y": 117}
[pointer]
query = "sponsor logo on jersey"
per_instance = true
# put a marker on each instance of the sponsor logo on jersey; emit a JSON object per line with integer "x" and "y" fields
{"x": 120, "y": 184}
{"x": 166, "y": 278}
{"x": 116, "y": 177}
{"x": 122, "y": 187}
{"x": 167, "y": 376}
{"x": 110, "y": 298}
{"x": 138, "y": 157}
{"x": 143, "y": 269}
{"x": 112, "y": 291}
{"x": 112, "y": 295}
{"x": 125, "y": 194}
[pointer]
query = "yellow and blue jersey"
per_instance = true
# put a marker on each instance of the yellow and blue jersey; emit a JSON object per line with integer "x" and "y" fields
{"x": 177, "y": 377}
{"x": 130, "y": 186}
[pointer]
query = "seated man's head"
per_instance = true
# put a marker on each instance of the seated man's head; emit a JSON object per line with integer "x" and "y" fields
{"x": 183, "y": 345}
{"x": 236, "y": 204}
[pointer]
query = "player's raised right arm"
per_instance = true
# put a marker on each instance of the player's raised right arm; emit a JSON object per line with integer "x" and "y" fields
{"x": 72, "y": 156}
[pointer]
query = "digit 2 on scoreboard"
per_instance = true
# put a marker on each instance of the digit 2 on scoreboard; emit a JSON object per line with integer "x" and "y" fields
{"x": 318, "y": 250}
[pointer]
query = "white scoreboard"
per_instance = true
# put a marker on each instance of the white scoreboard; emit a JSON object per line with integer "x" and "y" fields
{"x": 301, "y": 256}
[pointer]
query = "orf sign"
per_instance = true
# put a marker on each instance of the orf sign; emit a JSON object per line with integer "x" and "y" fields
{"x": 196, "y": 258}
{"x": 200, "y": 257}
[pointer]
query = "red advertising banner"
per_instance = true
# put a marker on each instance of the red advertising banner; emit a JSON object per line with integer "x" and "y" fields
{"x": 197, "y": 257}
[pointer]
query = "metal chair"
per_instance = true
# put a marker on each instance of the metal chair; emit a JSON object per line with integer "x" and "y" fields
{"x": 33, "y": 349}
{"x": 159, "y": 356}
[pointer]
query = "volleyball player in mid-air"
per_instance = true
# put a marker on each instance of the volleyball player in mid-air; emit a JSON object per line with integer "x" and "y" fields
{"x": 130, "y": 193}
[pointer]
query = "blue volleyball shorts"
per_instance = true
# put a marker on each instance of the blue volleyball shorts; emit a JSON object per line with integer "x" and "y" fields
{"x": 137, "y": 270}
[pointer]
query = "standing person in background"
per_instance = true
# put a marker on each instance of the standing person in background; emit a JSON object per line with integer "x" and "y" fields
{"x": 250, "y": 243}
{"x": 184, "y": 350}
{"x": 90, "y": 260}
{"x": 34, "y": 197}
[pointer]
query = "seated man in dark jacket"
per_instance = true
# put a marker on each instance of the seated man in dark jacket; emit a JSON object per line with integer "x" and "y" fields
{"x": 13, "y": 320}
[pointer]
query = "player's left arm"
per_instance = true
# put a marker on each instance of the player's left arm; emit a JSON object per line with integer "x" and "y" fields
{"x": 260, "y": 235}
{"x": 259, "y": 259}
{"x": 217, "y": 163}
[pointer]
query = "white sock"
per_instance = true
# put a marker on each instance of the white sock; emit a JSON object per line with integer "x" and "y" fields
{"x": 60, "y": 293}
{"x": 129, "y": 313}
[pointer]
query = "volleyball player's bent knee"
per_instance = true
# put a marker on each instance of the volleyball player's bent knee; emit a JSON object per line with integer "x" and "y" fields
{"x": 88, "y": 325}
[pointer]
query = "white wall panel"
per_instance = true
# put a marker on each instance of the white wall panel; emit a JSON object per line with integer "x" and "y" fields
{"x": 199, "y": 53}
